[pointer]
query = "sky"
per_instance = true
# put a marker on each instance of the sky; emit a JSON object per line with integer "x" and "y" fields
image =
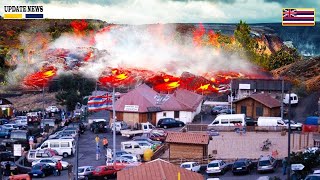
{"x": 167, "y": 11}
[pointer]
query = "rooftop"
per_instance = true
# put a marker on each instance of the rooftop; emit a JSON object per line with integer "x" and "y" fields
{"x": 264, "y": 99}
{"x": 187, "y": 138}
{"x": 157, "y": 170}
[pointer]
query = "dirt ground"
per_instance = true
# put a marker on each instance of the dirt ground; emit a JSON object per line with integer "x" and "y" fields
{"x": 230, "y": 145}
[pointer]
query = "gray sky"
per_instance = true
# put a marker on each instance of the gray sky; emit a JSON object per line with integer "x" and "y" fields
{"x": 168, "y": 11}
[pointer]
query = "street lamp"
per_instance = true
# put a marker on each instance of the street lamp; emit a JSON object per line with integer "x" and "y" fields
{"x": 289, "y": 134}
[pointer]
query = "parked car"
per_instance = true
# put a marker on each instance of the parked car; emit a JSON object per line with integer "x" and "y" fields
{"x": 293, "y": 125}
{"x": 52, "y": 109}
{"x": 105, "y": 171}
{"x": 313, "y": 177}
{"x": 120, "y": 125}
{"x": 99, "y": 125}
{"x": 51, "y": 162}
{"x": 85, "y": 172}
{"x": 21, "y": 123}
{"x": 36, "y": 154}
{"x": 266, "y": 164}
{"x": 131, "y": 157}
{"x": 156, "y": 135}
{"x": 227, "y": 111}
{"x": 242, "y": 166}
{"x": 216, "y": 110}
{"x": 121, "y": 163}
{"x": 250, "y": 122}
{"x": 6, "y": 156}
{"x": 41, "y": 170}
{"x": 212, "y": 132}
{"x": 141, "y": 138}
{"x": 11, "y": 126}
{"x": 119, "y": 153}
{"x": 4, "y": 132}
{"x": 217, "y": 166}
{"x": 192, "y": 166}
{"x": 169, "y": 122}
{"x": 13, "y": 166}
{"x": 4, "y": 121}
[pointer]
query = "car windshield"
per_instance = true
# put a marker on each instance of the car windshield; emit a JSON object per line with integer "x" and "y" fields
{"x": 98, "y": 169}
{"x": 185, "y": 165}
{"x": 239, "y": 164}
{"x": 18, "y": 135}
{"x": 213, "y": 165}
{"x": 80, "y": 170}
{"x": 264, "y": 163}
{"x": 36, "y": 167}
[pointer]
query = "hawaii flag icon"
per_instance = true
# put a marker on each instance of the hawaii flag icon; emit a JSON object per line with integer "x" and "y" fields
{"x": 298, "y": 17}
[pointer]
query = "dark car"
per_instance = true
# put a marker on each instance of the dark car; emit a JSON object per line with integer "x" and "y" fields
{"x": 13, "y": 166}
{"x": 242, "y": 166}
{"x": 98, "y": 126}
{"x": 4, "y": 132}
{"x": 216, "y": 110}
{"x": 18, "y": 137}
{"x": 227, "y": 111}
{"x": 250, "y": 122}
{"x": 6, "y": 156}
{"x": 41, "y": 170}
{"x": 3, "y": 121}
{"x": 169, "y": 122}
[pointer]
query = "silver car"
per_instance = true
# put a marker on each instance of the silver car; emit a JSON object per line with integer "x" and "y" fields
{"x": 266, "y": 164}
{"x": 85, "y": 172}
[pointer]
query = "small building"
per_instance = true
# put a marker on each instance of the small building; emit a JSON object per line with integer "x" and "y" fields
{"x": 245, "y": 87}
{"x": 143, "y": 104}
{"x": 6, "y": 108}
{"x": 157, "y": 170}
{"x": 257, "y": 105}
{"x": 187, "y": 145}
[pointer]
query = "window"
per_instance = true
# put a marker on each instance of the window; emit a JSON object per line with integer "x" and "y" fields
{"x": 224, "y": 121}
{"x": 145, "y": 126}
{"x": 164, "y": 114}
{"x": 259, "y": 111}
{"x": 127, "y": 146}
{"x": 64, "y": 144}
{"x": 44, "y": 145}
{"x": 176, "y": 114}
{"x": 54, "y": 145}
{"x": 243, "y": 110}
{"x": 136, "y": 146}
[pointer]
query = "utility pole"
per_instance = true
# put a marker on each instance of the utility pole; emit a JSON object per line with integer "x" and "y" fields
{"x": 43, "y": 111}
{"x": 289, "y": 141}
{"x": 231, "y": 96}
{"x": 114, "y": 124}
{"x": 282, "y": 91}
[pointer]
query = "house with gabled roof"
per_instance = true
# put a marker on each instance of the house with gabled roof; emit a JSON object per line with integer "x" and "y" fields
{"x": 257, "y": 105}
{"x": 143, "y": 104}
{"x": 158, "y": 170}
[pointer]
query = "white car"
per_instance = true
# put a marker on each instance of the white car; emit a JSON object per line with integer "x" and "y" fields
{"x": 131, "y": 157}
{"x": 192, "y": 166}
{"x": 11, "y": 126}
{"x": 52, "y": 109}
{"x": 51, "y": 162}
{"x": 293, "y": 125}
{"x": 217, "y": 166}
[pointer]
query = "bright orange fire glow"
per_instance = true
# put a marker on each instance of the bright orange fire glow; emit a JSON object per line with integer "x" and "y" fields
{"x": 204, "y": 87}
{"x": 41, "y": 78}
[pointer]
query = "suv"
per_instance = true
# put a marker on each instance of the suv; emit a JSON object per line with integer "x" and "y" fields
{"x": 266, "y": 164}
{"x": 217, "y": 166}
{"x": 98, "y": 126}
{"x": 217, "y": 109}
{"x": 242, "y": 165}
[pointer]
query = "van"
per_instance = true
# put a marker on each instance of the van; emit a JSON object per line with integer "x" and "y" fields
{"x": 64, "y": 147}
{"x": 132, "y": 147}
{"x": 294, "y": 99}
{"x": 229, "y": 120}
{"x": 271, "y": 121}
{"x": 37, "y": 154}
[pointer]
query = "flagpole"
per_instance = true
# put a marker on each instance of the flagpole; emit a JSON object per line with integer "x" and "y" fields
{"x": 114, "y": 124}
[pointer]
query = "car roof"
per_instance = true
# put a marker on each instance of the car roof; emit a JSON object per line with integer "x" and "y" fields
{"x": 263, "y": 158}
{"x": 85, "y": 166}
{"x": 215, "y": 161}
{"x": 241, "y": 160}
{"x": 188, "y": 163}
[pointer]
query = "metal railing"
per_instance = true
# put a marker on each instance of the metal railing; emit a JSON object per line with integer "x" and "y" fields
{"x": 160, "y": 151}
{"x": 204, "y": 127}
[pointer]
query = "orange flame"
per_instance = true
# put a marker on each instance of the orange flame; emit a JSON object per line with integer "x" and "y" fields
{"x": 204, "y": 87}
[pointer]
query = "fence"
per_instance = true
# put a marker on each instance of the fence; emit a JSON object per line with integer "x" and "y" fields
{"x": 204, "y": 127}
{"x": 160, "y": 151}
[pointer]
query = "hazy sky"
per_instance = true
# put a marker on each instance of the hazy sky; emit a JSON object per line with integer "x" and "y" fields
{"x": 167, "y": 11}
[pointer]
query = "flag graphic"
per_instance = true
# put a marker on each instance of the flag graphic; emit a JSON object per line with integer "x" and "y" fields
{"x": 97, "y": 103}
{"x": 298, "y": 17}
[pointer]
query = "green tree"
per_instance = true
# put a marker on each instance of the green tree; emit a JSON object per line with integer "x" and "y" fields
{"x": 71, "y": 89}
{"x": 242, "y": 35}
{"x": 283, "y": 57}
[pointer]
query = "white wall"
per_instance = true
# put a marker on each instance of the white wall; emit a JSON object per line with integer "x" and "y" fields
{"x": 169, "y": 114}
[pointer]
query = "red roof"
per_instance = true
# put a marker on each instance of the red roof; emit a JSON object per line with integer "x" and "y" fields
{"x": 187, "y": 138}
{"x": 157, "y": 170}
{"x": 145, "y": 97}
{"x": 264, "y": 99}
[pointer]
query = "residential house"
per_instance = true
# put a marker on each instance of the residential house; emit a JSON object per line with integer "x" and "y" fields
{"x": 143, "y": 104}
{"x": 158, "y": 170}
{"x": 6, "y": 108}
{"x": 257, "y": 105}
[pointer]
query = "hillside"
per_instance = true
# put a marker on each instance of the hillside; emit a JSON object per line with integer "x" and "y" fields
{"x": 306, "y": 72}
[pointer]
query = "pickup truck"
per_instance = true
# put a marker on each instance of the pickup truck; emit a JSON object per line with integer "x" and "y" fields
{"x": 142, "y": 128}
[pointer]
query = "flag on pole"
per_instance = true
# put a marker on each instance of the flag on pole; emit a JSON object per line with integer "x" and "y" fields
{"x": 298, "y": 17}
{"x": 98, "y": 103}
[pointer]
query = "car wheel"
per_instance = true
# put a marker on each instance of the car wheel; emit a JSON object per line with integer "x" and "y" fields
{"x": 165, "y": 127}
{"x": 43, "y": 175}
{"x": 65, "y": 155}
{"x": 180, "y": 125}
{"x": 299, "y": 129}
{"x": 86, "y": 178}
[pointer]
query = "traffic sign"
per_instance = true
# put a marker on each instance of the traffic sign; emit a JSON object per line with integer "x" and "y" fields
{"x": 297, "y": 167}
{"x": 17, "y": 150}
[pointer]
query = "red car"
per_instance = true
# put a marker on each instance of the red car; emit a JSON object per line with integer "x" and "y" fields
{"x": 105, "y": 171}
